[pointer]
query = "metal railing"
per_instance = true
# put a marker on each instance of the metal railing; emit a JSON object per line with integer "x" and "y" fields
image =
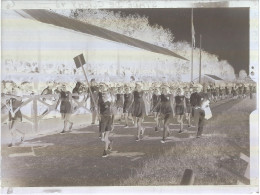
{"x": 36, "y": 99}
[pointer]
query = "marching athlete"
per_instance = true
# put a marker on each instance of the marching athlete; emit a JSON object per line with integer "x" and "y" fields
{"x": 155, "y": 107}
{"x": 102, "y": 90}
{"x": 220, "y": 93}
{"x": 234, "y": 93}
{"x": 128, "y": 98}
{"x": 226, "y": 92}
{"x": 166, "y": 110}
{"x": 65, "y": 107}
{"x": 93, "y": 100}
{"x": 240, "y": 91}
{"x": 251, "y": 91}
{"x": 120, "y": 101}
{"x": 138, "y": 109}
{"x": 187, "y": 94}
{"x": 180, "y": 107}
{"x": 209, "y": 93}
{"x": 214, "y": 93}
{"x": 105, "y": 124}
{"x": 244, "y": 92}
{"x": 198, "y": 98}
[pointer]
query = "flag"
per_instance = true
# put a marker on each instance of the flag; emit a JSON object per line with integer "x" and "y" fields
{"x": 192, "y": 31}
{"x": 79, "y": 60}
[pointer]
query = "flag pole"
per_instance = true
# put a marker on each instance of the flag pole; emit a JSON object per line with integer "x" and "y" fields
{"x": 200, "y": 61}
{"x": 91, "y": 94}
{"x": 192, "y": 44}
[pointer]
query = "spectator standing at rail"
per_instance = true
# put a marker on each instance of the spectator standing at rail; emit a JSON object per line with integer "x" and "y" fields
{"x": 15, "y": 116}
{"x": 58, "y": 89}
{"x": 76, "y": 90}
{"x": 48, "y": 91}
{"x": 65, "y": 107}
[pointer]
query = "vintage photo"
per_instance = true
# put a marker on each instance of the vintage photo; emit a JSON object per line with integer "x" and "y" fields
{"x": 126, "y": 97}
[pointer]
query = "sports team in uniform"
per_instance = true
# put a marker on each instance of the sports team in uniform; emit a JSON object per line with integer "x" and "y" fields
{"x": 132, "y": 102}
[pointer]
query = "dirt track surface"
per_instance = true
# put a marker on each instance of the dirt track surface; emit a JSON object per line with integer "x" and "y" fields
{"x": 75, "y": 158}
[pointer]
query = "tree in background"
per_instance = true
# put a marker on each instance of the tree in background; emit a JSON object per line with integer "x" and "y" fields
{"x": 242, "y": 74}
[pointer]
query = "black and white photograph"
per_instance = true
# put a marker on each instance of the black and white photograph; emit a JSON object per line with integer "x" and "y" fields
{"x": 157, "y": 96}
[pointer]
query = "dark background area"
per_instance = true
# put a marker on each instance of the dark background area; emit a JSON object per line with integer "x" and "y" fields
{"x": 225, "y": 31}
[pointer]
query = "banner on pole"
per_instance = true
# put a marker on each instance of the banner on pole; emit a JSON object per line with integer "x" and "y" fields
{"x": 79, "y": 60}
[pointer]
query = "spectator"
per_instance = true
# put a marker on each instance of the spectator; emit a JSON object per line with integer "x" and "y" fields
{"x": 15, "y": 116}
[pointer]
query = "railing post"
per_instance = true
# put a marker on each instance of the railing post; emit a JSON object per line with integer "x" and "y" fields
{"x": 35, "y": 114}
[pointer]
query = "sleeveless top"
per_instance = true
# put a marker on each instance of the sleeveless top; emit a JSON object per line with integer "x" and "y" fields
{"x": 138, "y": 96}
{"x": 179, "y": 100}
{"x": 156, "y": 99}
{"x": 64, "y": 95}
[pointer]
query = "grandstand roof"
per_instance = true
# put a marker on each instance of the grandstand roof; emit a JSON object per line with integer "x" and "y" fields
{"x": 49, "y": 17}
{"x": 214, "y": 77}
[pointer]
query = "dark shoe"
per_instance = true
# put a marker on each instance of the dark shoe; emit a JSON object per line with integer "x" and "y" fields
{"x": 126, "y": 126}
{"x": 180, "y": 131}
{"x": 10, "y": 145}
{"x": 92, "y": 123}
{"x": 137, "y": 139}
{"x": 156, "y": 129}
{"x": 104, "y": 154}
{"x": 22, "y": 138}
{"x": 198, "y": 136}
{"x": 62, "y": 132}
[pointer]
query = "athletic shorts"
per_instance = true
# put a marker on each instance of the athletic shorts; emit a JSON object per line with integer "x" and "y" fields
{"x": 105, "y": 123}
